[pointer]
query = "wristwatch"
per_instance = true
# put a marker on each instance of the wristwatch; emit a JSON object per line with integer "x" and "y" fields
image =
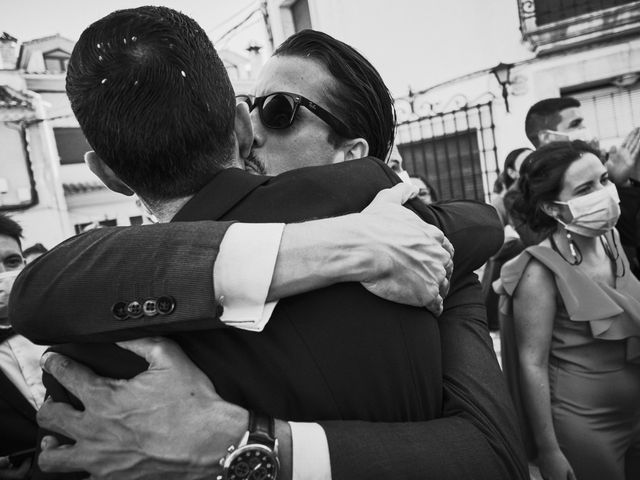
{"x": 256, "y": 457}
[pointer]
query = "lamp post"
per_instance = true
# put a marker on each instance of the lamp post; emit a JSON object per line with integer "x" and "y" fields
{"x": 502, "y": 72}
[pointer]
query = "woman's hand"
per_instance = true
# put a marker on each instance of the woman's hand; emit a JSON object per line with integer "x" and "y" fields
{"x": 555, "y": 466}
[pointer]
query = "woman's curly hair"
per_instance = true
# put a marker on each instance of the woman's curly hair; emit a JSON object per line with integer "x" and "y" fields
{"x": 541, "y": 180}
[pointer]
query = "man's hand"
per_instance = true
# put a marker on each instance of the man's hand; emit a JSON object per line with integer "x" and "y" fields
{"x": 11, "y": 472}
{"x": 413, "y": 260}
{"x": 386, "y": 247}
{"x": 623, "y": 162}
{"x": 167, "y": 422}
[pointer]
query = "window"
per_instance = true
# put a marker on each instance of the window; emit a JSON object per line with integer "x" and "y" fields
{"x": 455, "y": 151}
{"x": 451, "y": 163}
{"x": 56, "y": 61}
{"x": 300, "y": 14}
{"x": 550, "y": 11}
{"x": 72, "y": 145}
{"x": 16, "y": 178}
{"x": 609, "y": 111}
{"x": 86, "y": 226}
{"x": 554, "y": 25}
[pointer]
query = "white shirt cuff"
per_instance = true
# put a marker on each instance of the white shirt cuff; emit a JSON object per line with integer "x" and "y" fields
{"x": 243, "y": 271}
{"x": 311, "y": 459}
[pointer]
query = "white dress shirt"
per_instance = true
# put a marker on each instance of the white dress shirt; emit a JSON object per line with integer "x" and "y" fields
{"x": 20, "y": 362}
{"x": 241, "y": 283}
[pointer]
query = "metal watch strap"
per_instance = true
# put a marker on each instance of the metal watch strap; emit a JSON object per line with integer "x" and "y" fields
{"x": 262, "y": 429}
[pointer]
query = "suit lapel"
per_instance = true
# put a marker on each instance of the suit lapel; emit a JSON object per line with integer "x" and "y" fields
{"x": 227, "y": 188}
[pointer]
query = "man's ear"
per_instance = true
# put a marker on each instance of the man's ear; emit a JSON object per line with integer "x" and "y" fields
{"x": 544, "y": 137}
{"x": 105, "y": 174}
{"x": 243, "y": 129}
{"x": 355, "y": 148}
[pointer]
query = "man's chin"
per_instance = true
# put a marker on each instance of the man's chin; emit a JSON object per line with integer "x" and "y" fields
{"x": 251, "y": 169}
{"x": 253, "y": 165}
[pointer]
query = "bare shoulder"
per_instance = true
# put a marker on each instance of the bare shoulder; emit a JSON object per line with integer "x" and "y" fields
{"x": 536, "y": 280}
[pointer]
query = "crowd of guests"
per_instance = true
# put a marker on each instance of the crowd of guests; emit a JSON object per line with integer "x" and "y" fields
{"x": 569, "y": 296}
{"x": 344, "y": 391}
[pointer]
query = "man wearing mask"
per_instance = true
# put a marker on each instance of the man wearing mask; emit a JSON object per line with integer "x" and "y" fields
{"x": 560, "y": 119}
{"x": 21, "y": 389}
{"x": 395, "y": 162}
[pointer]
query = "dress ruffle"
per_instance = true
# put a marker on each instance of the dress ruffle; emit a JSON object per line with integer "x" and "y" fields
{"x": 613, "y": 313}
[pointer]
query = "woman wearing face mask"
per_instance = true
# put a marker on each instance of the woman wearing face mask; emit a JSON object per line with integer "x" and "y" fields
{"x": 575, "y": 311}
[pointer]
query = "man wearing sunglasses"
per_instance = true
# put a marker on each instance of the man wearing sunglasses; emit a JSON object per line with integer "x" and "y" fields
{"x": 352, "y": 345}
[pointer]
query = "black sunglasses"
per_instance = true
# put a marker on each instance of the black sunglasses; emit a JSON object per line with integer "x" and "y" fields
{"x": 278, "y": 110}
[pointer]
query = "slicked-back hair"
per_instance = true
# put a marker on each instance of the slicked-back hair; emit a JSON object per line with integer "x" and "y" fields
{"x": 154, "y": 100}
{"x": 360, "y": 99}
{"x": 541, "y": 179}
{"x": 545, "y": 115}
{"x": 10, "y": 228}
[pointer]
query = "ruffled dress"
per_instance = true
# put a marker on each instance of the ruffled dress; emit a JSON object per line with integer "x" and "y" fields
{"x": 594, "y": 365}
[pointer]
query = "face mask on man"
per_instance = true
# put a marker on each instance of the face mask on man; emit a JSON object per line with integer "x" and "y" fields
{"x": 404, "y": 176}
{"x": 583, "y": 134}
{"x": 593, "y": 214}
{"x": 6, "y": 284}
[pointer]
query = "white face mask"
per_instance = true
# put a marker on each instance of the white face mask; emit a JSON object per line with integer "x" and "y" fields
{"x": 6, "y": 284}
{"x": 404, "y": 176}
{"x": 595, "y": 213}
{"x": 583, "y": 134}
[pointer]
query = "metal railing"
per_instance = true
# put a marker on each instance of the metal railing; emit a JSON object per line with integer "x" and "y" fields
{"x": 455, "y": 151}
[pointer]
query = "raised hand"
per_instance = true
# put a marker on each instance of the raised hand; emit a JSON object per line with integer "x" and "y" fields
{"x": 623, "y": 161}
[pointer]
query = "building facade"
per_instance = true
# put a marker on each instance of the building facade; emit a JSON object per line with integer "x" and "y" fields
{"x": 458, "y": 133}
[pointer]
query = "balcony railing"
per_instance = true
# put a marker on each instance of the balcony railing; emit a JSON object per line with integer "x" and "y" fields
{"x": 549, "y": 25}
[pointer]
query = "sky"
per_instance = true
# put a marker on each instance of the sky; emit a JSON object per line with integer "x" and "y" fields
{"x": 415, "y": 43}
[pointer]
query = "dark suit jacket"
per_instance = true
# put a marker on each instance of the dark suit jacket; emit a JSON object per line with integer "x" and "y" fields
{"x": 287, "y": 369}
{"x": 17, "y": 419}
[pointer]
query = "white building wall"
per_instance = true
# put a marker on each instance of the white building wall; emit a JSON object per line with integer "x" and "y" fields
{"x": 47, "y": 222}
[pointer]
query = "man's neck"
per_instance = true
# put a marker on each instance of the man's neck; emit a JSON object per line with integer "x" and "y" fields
{"x": 164, "y": 211}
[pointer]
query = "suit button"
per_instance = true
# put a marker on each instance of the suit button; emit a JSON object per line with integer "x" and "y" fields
{"x": 134, "y": 309}
{"x": 119, "y": 310}
{"x": 165, "y": 305}
{"x": 150, "y": 308}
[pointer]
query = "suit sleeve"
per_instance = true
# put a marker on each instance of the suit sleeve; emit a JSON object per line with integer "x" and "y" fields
{"x": 473, "y": 228}
{"x": 476, "y": 439}
{"x": 69, "y": 294}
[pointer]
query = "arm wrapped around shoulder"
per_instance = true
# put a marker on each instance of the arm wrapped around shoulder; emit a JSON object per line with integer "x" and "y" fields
{"x": 75, "y": 293}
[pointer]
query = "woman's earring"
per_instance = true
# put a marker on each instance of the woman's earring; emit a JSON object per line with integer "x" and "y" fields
{"x": 574, "y": 249}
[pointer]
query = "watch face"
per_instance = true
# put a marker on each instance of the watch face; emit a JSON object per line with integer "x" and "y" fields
{"x": 252, "y": 462}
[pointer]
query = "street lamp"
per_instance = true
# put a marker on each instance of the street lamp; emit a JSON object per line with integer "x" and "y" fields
{"x": 502, "y": 72}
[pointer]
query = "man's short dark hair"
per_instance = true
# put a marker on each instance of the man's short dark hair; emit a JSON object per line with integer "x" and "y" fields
{"x": 361, "y": 100}
{"x": 154, "y": 100}
{"x": 34, "y": 249}
{"x": 10, "y": 228}
{"x": 545, "y": 115}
